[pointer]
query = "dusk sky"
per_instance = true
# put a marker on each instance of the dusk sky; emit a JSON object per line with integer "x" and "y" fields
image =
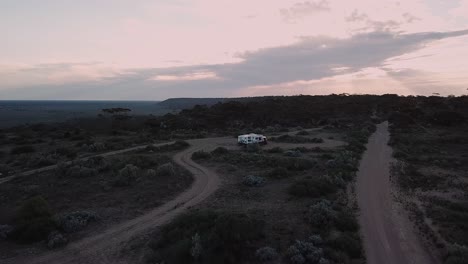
{"x": 153, "y": 50}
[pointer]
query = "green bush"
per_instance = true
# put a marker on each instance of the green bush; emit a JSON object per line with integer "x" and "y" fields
{"x": 206, "y": 236}
{"x": 33, "y": 221}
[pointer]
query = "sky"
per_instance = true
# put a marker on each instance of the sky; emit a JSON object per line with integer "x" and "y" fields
{"x": 158, "y": 49}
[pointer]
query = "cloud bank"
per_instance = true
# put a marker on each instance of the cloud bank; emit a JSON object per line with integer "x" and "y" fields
{"x": 311, "y": 58}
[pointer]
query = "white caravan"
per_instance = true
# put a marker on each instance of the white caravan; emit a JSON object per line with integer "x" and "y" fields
{"x": 251, "y": 139}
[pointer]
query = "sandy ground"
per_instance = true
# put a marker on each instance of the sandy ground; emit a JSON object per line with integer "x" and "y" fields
{"x": 102, "y": 247}
{"x": 388, "y": 235}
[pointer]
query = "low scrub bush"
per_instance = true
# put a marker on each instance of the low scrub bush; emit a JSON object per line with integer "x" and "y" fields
{"x": 199, "y": 155}
{"x": 81, "y": 172}
{"x": 74, "y": 221}
{"x": 457, "y": 255}
{"x": 321, "y": 215}
{"x": 350, "y": 243}
{"x": 220, "y": 151}
{"x": 293, "y": 153}
{"x": 275, "y": 150}
{"x": 33, "y": 221}
{"x": 303, "y": 133}
{"x": 166, "y": 169}
{"x": 346, "y": 221}
{"x": 178, "y": 145}
{"x": 314, "y": 187}
{"x": 206, "y": 237}
{"x": 127, "y": 175}
{"x": 22, "y": 150}
{"x": 252, "y": 148}
{"x": 5, "y": 231}
{"x": 266, "y": 254}
{"x": 296, "y": 139}
{"x": 278, "y": 173}
{"x": 253, "y": 181}
{"x": 151, "y": 173}
{"x": 56, "y": 240}
{"x": 307, "y": 252}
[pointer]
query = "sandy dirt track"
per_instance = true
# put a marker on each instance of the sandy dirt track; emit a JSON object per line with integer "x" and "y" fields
{"x": 388, "y": 235}
{"x": 101, "y": 247}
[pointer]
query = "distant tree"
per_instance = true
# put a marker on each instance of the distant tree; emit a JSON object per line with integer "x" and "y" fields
{"x": 116, "y": 110}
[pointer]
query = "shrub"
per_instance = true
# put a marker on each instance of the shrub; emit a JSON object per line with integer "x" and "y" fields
{"x": 214, "y": 237}
{"x": 253, "y": 181}
{"x": 98, "y": 163}
{"x": 220, "y": 151}
{"x": 33, "y": 221}
{"x": 346, "y": 221}
{"x": 303, "y": 133}
{"x": 457, "y": 255}
{"x": 74, "y": 221}
{"x": 349, "y": 243}
{"x": 67, "y": 152}
{"x": 293, "y": 153}
{"x": 252, "y": 148}
{"x": 296, "y": 139}
{"x": 178, "y": 145}
{"x": 56, "y": 240}
{"x": 275, "y": 150}
{"x": 151, "y": 173}
{"x": 5, "y": 231}
{"x": 278, "y": 173}
{"x": 22, "y": 150}
{"x": 265, "y": 254}
{"x": 315, "y": 187}
{"x": 306, "y": 252}
{"x": 321, "y": 215}
{"x": 81, "y": 172}
{"x": 198, "y": 155}
{"x": 127, "y": 175}
{"x": 166, "y": 169}
{"x": 181, "y": 144}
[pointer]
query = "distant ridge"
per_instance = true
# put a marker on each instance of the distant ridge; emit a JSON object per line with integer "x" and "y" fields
{"x": 186, "y": 103}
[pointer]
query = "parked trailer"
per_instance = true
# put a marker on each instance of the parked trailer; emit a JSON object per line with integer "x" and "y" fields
{"x": 252, "y": 139}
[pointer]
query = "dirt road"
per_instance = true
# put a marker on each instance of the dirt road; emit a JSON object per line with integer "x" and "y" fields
{"x": 100, "y": 248}
{"x": 388, "y": 234}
